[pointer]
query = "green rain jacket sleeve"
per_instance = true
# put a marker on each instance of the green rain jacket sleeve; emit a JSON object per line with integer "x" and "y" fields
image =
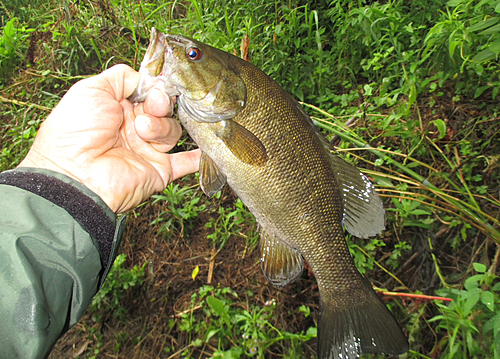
{"x": 57, "y": 243}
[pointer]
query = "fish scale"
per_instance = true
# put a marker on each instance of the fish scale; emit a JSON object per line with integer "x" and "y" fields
{"x": 258, "y": 139}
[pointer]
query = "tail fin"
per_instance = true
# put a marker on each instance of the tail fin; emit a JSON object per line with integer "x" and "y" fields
{"x": 365, "y": 327}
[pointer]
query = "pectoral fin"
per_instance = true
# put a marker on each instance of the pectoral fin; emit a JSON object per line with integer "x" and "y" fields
{"x": 280, "y": 263}
{"x": 364, "y": 214}
{"x": 211, "y": 178}
{"x": 242, "y": 143}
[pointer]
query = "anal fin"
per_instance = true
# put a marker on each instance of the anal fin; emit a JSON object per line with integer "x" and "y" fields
{"x": 280, "y": 263}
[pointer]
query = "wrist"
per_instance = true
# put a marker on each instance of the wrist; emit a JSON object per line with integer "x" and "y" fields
{"x": 35, "y": 161}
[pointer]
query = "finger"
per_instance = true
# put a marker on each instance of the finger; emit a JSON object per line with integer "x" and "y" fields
{"x": 184, "y": 163}
{"x": 159, "y": 104}
{"x": 119, "y": 81}
{"x": 163, "y": 133}
{"x": 144, "y": 149}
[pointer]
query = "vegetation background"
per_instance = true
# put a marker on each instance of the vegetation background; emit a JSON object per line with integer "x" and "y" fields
{"x": 407, "y": 90}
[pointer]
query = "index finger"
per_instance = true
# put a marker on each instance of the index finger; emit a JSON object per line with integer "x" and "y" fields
{"x": 119, "y": 81}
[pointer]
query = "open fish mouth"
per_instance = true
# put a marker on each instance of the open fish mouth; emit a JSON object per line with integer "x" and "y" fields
{"x": 156, "y": 68}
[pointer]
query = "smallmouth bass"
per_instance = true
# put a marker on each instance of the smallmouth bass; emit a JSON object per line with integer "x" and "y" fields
{"x": 256, "y": 138}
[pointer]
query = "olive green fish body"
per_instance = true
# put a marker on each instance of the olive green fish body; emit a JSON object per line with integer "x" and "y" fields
{"x": 258, "y": 139}
{"x": 294, "y": 195}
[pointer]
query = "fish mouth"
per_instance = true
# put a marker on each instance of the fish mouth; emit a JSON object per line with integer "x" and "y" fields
{"x": 156, "y": 71}
{"x": 156, "y": 68}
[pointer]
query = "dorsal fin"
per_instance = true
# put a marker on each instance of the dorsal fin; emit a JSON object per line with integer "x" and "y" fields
{"x": 364, "y": 214}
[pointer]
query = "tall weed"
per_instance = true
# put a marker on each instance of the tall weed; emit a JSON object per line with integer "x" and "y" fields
{"x": 12, "y": 47}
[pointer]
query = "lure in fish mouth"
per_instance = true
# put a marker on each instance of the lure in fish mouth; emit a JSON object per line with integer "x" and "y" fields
{"x": 256, "y": 138}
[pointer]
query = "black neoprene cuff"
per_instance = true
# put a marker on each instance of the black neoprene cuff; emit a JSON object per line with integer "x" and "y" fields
{"x": 81, "y": 203}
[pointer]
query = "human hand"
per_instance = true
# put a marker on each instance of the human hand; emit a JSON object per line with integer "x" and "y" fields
{"x": 96, "y": 136}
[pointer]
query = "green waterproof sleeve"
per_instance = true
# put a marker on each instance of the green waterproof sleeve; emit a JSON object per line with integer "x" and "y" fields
{"x": 57, "y": 242}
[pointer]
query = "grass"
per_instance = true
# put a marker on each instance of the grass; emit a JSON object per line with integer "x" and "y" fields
{"x": 407, "y": 92}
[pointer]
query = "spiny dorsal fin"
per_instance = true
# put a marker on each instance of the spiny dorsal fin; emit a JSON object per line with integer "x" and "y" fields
{"x": 280, "y": 263}
{"x": 242, "y": 143}
{"x": 211, "y": 178}
{"x": 364, "y": 214}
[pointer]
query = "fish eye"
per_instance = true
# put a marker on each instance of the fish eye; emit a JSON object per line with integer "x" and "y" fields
{"x": 193, "y": 53}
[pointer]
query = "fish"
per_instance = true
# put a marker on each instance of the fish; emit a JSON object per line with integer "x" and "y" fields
{"x": 260, "y": 141}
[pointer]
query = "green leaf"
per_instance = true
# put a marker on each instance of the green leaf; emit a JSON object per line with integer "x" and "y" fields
{"x": 441, "y": 126}
{"x": 489, "y": 325}
{"x": 197, "y": 342}
{"x": 494, "y": 93}
{"x": 417, "y": 223}
{"x": 299, "y": 94}
{"x": 219, "y": 308}
{"x": 217, "y": 305}
{"x": 483, "y": 24}
{"x": 492, "y": 30}
{"x": 472, "y": 298}
{"x": 488, "y": 299}
{"x": 496, "y": 324}
{"x": 420, "y": 212}
{"x": 305, "y": 310}
{"x": 484, "y": 55}
{"x": 479, "y": 91}
{"x": 382, "y": 181}
{"x": 473, "y": 281}
{"x": 496, "y": 287}
{"x": 495, "y": 46}
{"x": 453, "y": 3}
{"x": 413, "y": 95}
{"x": 277, "y": 29}
{"x": 479, "y": 267}
{"x": 312, "y": 332}
{"x": 211, "y": 333}
{"x": 233, "y": 353}
{"x": 453, "y": 45}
